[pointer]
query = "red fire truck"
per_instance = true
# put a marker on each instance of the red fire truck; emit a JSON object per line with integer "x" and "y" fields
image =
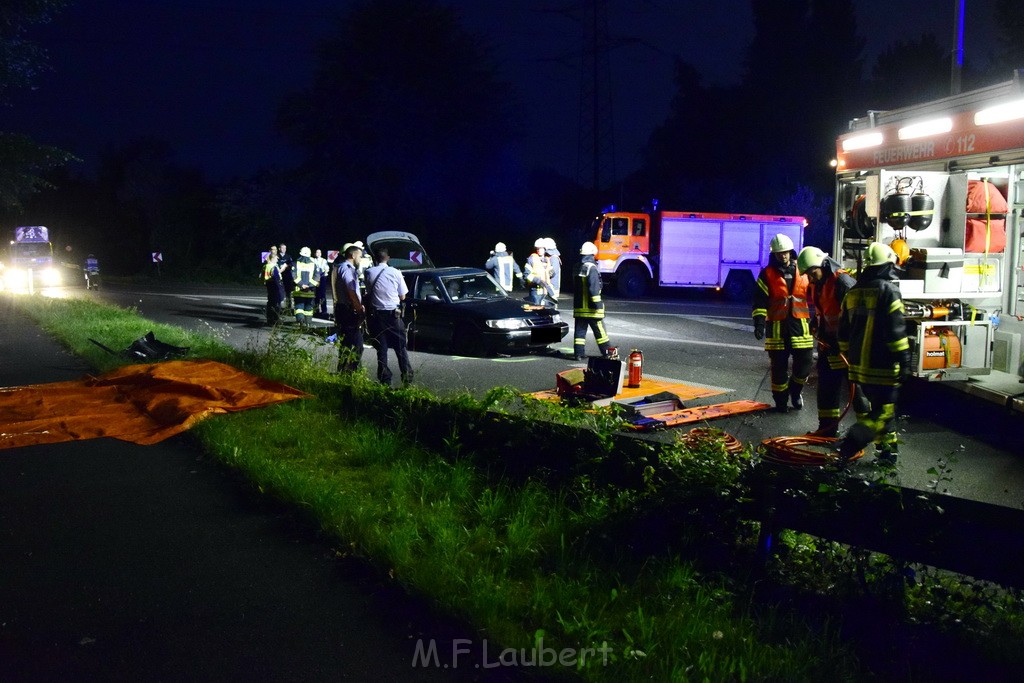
{"x": 687, "y": 249}
{"x": 943, "y": 182}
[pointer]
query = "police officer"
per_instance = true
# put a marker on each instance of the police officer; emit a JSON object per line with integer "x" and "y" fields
{"x": 305, "y": 288}
{"x": 385, "y": 291}
{"x": 287, "y": 265}
{"x": 782, "y": 318}
{"x": 348, "y": 309}
{"x": 828, "y": 285}
{"x": 503, "y": 267}
{"x": 588, "y": 308}
{"x": 873, "y": 337}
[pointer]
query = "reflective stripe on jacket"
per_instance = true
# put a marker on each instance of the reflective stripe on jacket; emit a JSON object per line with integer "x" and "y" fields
{"x": 586, "y": 299}
{"x": 787, "y": 313}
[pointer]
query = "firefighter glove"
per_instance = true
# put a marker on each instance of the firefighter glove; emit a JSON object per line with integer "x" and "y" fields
{"x": 759, "y": 328}
{"x": 906, "y": 367}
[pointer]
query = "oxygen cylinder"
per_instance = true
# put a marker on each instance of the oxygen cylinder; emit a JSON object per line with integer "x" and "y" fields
{"x": 636, "y": 368}
{"x": 922, "y": 208}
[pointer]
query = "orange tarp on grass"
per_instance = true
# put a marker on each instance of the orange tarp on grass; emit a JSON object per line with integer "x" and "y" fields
{"x": 143, "y": 404}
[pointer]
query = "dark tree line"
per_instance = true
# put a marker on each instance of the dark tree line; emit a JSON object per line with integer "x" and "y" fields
{"x": 409, "y": 125}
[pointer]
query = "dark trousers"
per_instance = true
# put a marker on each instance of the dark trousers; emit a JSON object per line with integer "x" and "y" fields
{"x": 389, "y": 331}
{"x": 350, "y": 334}
{"x": 579, "y": 341}
{"x": 784, "y": 382}
{"x": 877, "y": 425}
{"x": 831, "y": 395}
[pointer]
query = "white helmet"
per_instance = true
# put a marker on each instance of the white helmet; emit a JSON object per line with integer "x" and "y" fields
{"x": 305, "y": 252}
{"x": 810, "y": 257}
{"x": 539, "y": 243}
{"x": 878, "y": 254}
{"x": 588, "y": 249}
{"x": 549, "y": 244}
{"x": 781, "y": 243}
{"x": 500, "y": 246}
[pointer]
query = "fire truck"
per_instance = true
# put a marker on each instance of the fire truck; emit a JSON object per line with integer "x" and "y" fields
{"x": 943, "y": 183}
{"x": 687, "y": 249}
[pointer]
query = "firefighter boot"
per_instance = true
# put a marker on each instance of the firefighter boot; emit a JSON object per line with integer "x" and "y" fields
{"x": 795, "y": 391}
{"x": 827, "y": 427}
{"x": 781, "y": 401}
{"x": 887, "y": 450}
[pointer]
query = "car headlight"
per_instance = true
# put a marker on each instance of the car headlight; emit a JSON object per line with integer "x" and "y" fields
{"x": 508, "y": 324}
{"x": 556, "y": 318}
{"x": 51, "y": 277}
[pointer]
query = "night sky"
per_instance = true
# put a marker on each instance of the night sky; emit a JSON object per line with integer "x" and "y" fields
{"x": 208, "y": 76}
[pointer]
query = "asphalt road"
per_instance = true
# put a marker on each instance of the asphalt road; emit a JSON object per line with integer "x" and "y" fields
{"x": 692, "y": 338}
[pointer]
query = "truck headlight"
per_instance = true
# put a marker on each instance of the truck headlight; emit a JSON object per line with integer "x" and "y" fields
{"x": 51, "y": 277}
{"x": 15, "y": 278}
{"x": 507, "y": 323}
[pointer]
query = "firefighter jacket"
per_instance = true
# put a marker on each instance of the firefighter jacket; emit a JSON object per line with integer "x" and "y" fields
{"x": 872, "y": 330}
{"x": 305, "y": 277}
{"x": 536, "y": 272}
{"x": 781, "y": 298}
{"x": 586, "y": 297}
{"x": 504, "y": 269}
{"x": 827, "y": 299}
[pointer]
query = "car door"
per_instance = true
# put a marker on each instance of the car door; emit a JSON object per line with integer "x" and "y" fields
{"x": 425, "y": 314}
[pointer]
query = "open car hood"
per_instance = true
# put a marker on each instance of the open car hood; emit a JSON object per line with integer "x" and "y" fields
{"x": 404, "y": 248}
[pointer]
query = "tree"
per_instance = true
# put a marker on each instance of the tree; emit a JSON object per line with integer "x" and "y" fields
{"x": 1010, "y": 29}
{"x": 406, "y": 122}
{"x": 22, "y": 161}
{"x": 910, "y": 71}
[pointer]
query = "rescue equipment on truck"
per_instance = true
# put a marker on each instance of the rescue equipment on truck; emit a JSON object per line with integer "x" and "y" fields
{"x": 986, "y": 218}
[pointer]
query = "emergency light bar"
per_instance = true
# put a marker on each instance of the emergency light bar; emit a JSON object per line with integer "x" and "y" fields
{"x": 862, "y": 141}
{"x": 1008, "y": 111}
{"x": 925, "y": 128}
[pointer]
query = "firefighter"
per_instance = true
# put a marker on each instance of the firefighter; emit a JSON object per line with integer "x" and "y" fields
{"x": 322, "y": 278}
{"x": 587, "y": 307}
{"x": 305, "y": 288}
{"x": 538, "y": 275}
{"x": 503, "y": 267}
{"x": 873, "y": 337}
{"x": 554, "y": 265}
{"x": 782, "y": 318}
{"x": 828, "y": 284}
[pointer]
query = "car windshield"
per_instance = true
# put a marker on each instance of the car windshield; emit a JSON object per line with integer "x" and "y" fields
{"x": 472, "y": 286}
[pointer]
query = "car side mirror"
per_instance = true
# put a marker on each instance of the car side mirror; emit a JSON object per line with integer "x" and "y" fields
{"x": 433, "y": 297}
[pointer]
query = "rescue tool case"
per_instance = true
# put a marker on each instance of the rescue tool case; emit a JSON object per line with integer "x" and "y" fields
{"x": 941, "y": 268}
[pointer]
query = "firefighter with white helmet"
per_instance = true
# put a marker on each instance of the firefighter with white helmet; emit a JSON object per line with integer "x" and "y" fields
{"x": 538, "y": 276}
{"x": 828, "y": 285}
{"x": 503, "y": 267}
{"x": 554, "y": 265}
{"x": 782, "y": 318}
{"x": 873, "y": 337}
{"x": 587, "y": 306}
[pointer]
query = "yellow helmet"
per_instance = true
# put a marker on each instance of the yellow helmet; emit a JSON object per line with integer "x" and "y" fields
{"x": 810, "y": 257}
{"x": 902, "y": 250}
{"x": 879, "y": 253}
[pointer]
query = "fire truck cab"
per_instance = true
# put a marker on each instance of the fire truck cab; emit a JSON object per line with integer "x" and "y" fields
{"x": 943, "y": 183}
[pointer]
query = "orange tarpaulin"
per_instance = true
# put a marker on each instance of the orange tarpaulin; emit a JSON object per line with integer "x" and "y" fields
{"x": 143, "y": 404}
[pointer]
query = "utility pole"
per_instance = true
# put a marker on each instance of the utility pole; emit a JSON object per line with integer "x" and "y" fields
{"x": 957, "y": 65}
{"x": 595, "y": 151}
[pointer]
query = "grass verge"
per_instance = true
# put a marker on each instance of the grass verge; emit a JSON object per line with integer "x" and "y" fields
{"x": 531, "y": 565}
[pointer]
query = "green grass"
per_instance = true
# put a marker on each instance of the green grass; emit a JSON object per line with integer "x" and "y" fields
{"x": 520, "y": 560}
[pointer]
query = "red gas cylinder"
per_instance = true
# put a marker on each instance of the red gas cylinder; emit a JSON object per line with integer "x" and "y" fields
{"x": 636, "y": 368}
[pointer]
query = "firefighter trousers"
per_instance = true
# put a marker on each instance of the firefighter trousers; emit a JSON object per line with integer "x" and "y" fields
{"x": 832, "y": 380}
{"x": 877, "y": 425}
{"x": 787, "y": 384}
{"x": 579, "y": 341}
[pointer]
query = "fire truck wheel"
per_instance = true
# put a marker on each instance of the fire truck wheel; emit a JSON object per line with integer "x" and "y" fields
{"x": 739, "y": 285}
{"x": 631, "y": 281}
